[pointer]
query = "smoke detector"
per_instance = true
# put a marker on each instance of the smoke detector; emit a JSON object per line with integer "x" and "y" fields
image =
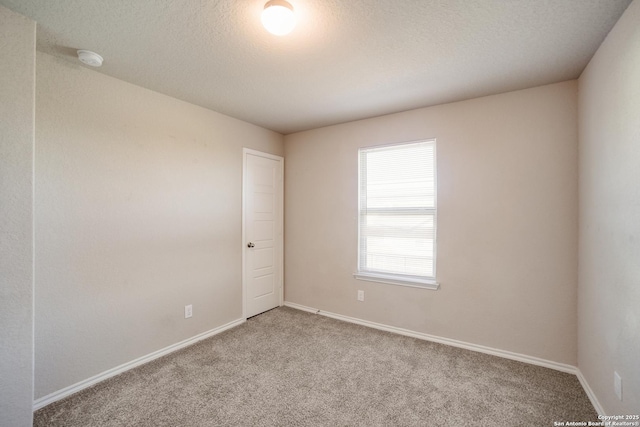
{"x": 90, "y": 58}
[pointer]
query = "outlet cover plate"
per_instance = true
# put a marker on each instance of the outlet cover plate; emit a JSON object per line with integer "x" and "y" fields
{"x": 617, "y": 384}
{"x": 188, "y": 311}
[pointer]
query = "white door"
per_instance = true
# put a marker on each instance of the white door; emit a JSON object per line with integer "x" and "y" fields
{"x": 262, "y": 232}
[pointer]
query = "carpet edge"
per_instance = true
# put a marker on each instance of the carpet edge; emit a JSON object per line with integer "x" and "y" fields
{"x": 468, "y": 346}
{"x": 81, "y": 385}
{"x": 532, "y": 360}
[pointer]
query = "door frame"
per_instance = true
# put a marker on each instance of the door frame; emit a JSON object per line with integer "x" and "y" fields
{"x": 280, "y": 221}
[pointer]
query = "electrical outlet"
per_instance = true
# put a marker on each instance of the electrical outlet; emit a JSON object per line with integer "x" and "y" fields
{"x": 360, "y": 295}
{"x": 617, "y": 384}
{"x": 188, "y": 311}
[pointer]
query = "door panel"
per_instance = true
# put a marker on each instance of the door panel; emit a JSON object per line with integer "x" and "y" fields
{"x": 263, "y": 258}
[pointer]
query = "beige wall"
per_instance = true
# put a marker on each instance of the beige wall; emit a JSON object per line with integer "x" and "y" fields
{"x": 17, "y": 88}
{"x": 138, "y": 213}
{"x": 507, "y": 229}
{"x": 609, "y": 285}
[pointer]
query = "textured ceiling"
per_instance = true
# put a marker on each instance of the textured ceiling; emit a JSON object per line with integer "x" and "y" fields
{"x": 345, "y": 60}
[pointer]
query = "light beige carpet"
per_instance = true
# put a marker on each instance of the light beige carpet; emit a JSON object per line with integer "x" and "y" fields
{"x": 291, "y": 368}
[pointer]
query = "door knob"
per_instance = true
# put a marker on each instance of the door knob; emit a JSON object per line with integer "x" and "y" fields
{"x": 250, "y": 245}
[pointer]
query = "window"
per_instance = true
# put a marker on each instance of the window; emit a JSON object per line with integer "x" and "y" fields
{"x": 397, "y": 214}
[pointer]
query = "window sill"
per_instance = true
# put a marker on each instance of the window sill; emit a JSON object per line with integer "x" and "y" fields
{"x": 397, "y": 280}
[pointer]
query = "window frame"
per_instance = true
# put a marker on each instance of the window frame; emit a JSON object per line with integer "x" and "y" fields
{"x": 423, "y": 282}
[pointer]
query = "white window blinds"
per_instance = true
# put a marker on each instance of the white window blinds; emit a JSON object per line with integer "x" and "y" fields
{"x": 397, "y": 213}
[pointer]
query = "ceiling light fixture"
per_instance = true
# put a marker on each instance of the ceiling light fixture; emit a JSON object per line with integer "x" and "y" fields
{"x": 90, "y": 58}
{"x": 278, "y": 17}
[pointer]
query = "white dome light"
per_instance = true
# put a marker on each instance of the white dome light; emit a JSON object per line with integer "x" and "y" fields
{"x": 90, "y": 58}
{"x": 278, "y": 17}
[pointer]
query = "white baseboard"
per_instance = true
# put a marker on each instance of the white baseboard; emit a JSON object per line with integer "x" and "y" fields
{"x": 302, "y": 307}
{"x": 455, "y": 343}
{"x": 67, "y": 391}
{"x": 590, "y": 393}
{"x": 469, "y": 346}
